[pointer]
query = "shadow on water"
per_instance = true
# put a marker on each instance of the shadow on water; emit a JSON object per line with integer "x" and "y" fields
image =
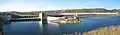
{"x": 22, "y": 28}
{"x": 91, "y": 23}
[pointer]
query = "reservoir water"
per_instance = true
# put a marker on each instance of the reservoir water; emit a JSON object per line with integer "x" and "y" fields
{"x": 35, "y": 27}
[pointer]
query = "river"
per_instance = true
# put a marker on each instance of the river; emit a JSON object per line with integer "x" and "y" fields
{"x": 34, "y": 27}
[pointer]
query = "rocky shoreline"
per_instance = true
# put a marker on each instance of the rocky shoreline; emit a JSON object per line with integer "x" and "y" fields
{"x": 3, "y": 19}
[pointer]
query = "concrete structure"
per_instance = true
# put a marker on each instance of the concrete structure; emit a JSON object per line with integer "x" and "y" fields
{"x": 43, "y": 17}
{"x": 26, "y": 16}
{"x": 82, "y": 14}
{"x": 87, "y": 13}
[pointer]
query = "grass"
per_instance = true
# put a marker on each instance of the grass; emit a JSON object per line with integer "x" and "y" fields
{"x": 112, "y": 30}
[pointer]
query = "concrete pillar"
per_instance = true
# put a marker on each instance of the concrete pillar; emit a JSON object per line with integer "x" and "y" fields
{"x": 9, "y": 17}
{"x": 43, "y": 18}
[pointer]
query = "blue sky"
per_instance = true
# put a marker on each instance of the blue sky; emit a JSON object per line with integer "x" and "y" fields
{"x": 38, "y": 5}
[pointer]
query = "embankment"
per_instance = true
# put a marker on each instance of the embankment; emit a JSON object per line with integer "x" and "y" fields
{"x": 3, "y": 20}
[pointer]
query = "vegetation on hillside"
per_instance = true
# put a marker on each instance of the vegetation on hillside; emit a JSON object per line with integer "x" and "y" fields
{"x": 112, "y": 30}
{"x": 89, "y": 10}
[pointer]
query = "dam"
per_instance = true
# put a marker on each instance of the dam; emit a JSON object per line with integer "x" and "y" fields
{"x": 38, "y": 28}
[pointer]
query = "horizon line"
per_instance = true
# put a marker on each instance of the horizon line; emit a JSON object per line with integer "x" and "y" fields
{"x": 64, "y": 9}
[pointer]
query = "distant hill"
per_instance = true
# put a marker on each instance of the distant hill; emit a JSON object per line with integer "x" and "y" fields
{"x": 88, "y": 10}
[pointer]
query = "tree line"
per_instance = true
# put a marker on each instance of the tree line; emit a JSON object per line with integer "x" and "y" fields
{"x": 89, "y": 10}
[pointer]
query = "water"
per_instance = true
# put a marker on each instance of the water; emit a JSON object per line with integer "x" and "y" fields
{"x": 34, "y": 28}
{"x": 22, "y": 28}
